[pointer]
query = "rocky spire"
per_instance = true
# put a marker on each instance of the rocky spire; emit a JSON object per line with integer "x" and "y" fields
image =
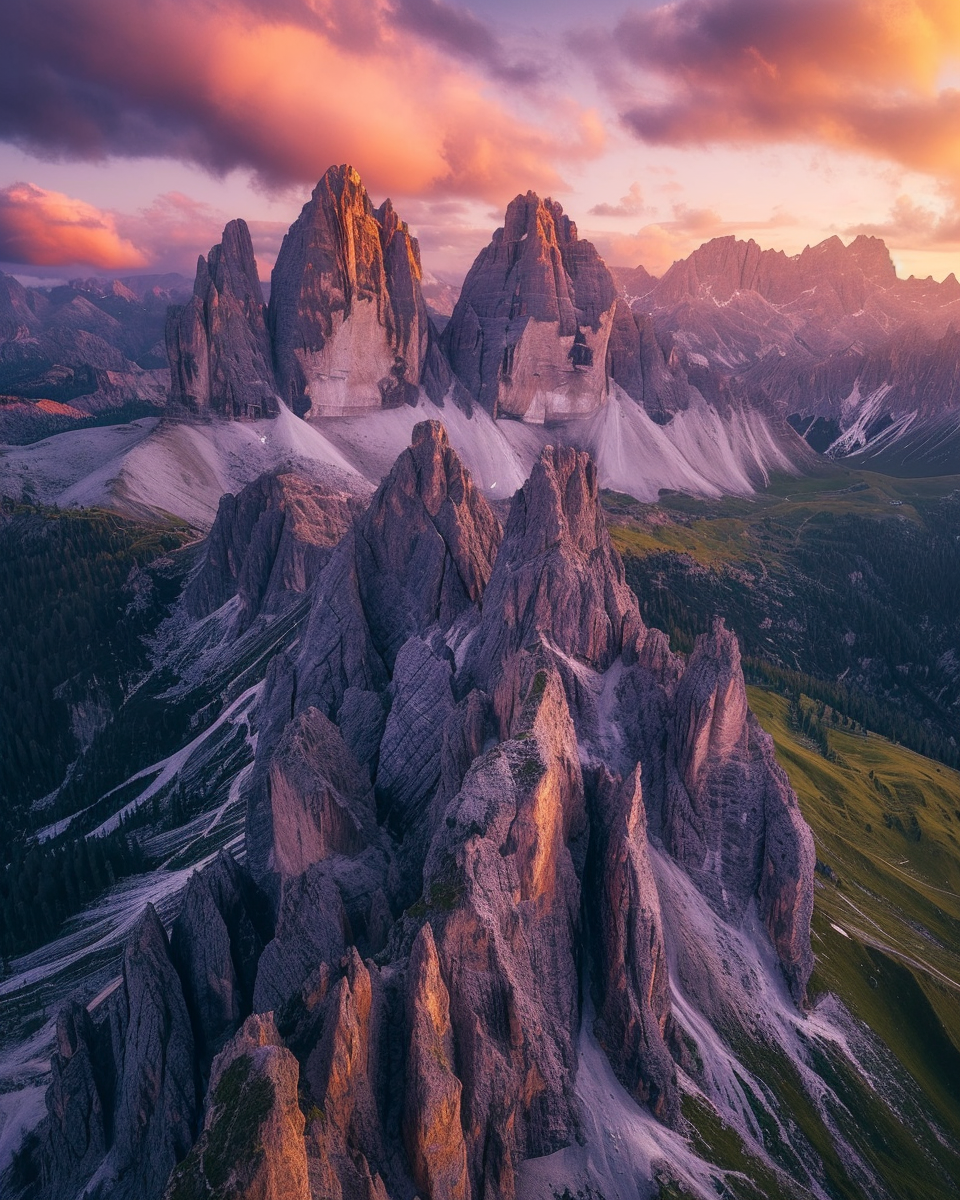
{"x": 421, "y": 555}
{"x": 217, "y": 344}
{"x": 557, "y": 576}
{"x": 350, "y": 326}
{"x": 528, "y": 336}
{"x": 734, "y": 822}
{"x": 268, "y": 543}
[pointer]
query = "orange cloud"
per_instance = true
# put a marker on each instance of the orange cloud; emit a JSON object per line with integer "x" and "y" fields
{"x": 285, "y": 89}
{"x": 49, "y": 229}
{"x": 856, "y": 74}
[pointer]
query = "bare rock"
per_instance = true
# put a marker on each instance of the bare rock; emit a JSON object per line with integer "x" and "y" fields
{"x": 528, "y": 335}
{"x": 557, "y": 577}
{"x": 311, "y": 929}
{"x": 502, "y": 893}
{"x": 409, "y": 762}
{"x": 420, "y": 556}
{"x": 78, "y": 1101}
{"x": 432, "y": 1129}
{"x": 215, "y": 946}
{"x": 350, "y": 327}
{"x": 217, "y": 344}
{"x": 156, "y": 1106}
{"x": 315, "y": 801}
{"x": 267, "y": 544}
{"x": 344, "y": 1138}
{"x": 730, "y": 817}
{"x": 633, "y": 1012}
{"x": 426, "y": 545}
{"x": 252, "y": 1145}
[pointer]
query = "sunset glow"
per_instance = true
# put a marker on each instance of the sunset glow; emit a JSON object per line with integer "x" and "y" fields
{"x": 657, "y": 126}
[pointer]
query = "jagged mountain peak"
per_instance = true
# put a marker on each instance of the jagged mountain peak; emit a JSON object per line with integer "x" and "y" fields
{"x": 445, "y": 884}
{"x": 350, "y": 327}
{"x": 217, "y": 344}
{"x": 557, "y": 575}
{"x": 528, "y": 335}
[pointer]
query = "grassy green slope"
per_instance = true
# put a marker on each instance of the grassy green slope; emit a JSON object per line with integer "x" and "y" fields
{"x": 886, "y": 822}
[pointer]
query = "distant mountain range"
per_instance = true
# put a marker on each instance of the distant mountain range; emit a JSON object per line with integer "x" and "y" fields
{"x": 737, "y": 363}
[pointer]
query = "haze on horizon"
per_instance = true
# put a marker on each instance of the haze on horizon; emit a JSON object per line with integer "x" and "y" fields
{"x": 131, "y": 131}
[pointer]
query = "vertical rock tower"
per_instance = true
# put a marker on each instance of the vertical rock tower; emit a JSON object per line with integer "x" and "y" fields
{"x": 528, "y": 337}
{"x": 217, "y": 344}
{"x": 349, "y": 323}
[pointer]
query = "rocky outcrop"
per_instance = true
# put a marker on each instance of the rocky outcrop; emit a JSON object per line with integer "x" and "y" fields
{"x": 252, "y": 1145}
{"x": 317, "y": 803}
{"x": 432, "y": 1129}
{"x": 730, "y": 817}
{"x": 268, "y": 543}
{"x": 557, "y": 577}
{"x": 421, "y": 555}
{"x": 446, "y": 820}
{"x": 345, "y": 1140}
{"x": 528, "y": 336}
{"x": 78, "y": 1099}
{"x": 217, "y": 344}
{"x": 215, "y": 945}
{"x": 156, "y": 1098}
{"x": 350, "y": 327}
{"x": 126, "y": 1093}
{"x": 633, "y": 1013}
{"x": 503, "y": 895}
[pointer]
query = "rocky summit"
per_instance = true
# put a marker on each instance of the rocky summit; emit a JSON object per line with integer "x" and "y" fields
{"x": 497, "y": 835}
{"x": 219, "y": 351}
{"x": 349, "y": 323}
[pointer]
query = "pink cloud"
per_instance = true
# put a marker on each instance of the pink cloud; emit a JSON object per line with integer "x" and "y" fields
{"x": 862, "y": 75}
{"x": 283, "y": 89}
{"x": 43, "y": 229}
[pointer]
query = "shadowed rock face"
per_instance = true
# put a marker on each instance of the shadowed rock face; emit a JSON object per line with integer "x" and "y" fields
{"x": 733, "y": 821}
{"x": 528, "y": 336}
{"x": 634, "y": 1010}
{"x": 421, "y": 555}
{"x": 217, "y": 344}
{"x": 449, "y": 815}
{"x": 267, "y": 544}
{"x": 156, "y": 1099}
{"x": 557, "y": 577}
{"x": 349, "y": 323}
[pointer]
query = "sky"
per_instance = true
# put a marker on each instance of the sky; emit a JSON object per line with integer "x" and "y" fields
{"x": 132, "y": 130}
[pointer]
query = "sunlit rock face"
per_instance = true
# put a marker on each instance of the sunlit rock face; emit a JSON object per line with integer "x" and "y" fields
{"x": 217, "y": 344}
{"x": 528, "y": 337}
{"x": 350, "y": 326}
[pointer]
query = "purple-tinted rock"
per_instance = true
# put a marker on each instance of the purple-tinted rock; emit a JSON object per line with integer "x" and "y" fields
{"x": 217, "y": 344}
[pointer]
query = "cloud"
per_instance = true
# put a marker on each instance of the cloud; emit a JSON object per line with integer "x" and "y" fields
{"x": 915, "y": 225}
{"x": 47, "y": 229}
{"x": 282, "y": 89}
{"x": 657, "y": 246}
{"x": 44, "y": 229}
{"x": 465, "y": 36}
{"x": 630, "y": 205}
{"x": 862, "y": 75}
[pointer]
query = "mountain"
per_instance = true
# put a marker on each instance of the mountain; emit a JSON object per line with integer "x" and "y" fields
{"x": 220, "y": 354}
{"x": 830, "y": 338}
{"x": 82, "y": 353}
{"x": 737, "y": 365}
{"x": 349, "y": 323}
{"x": 466, "y": 883}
